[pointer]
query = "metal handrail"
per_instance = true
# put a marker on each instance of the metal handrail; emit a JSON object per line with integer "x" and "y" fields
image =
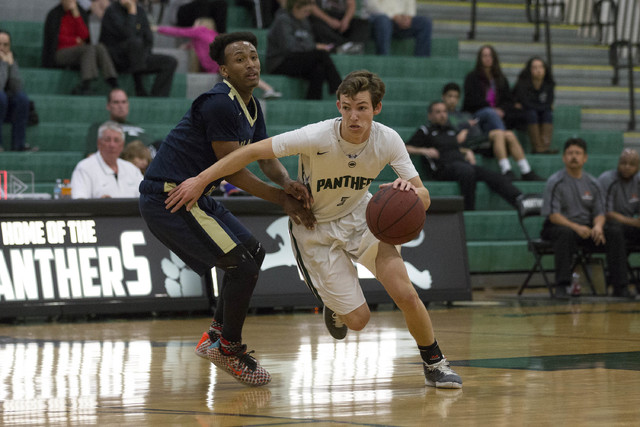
{"x": 472, "y": 31}
{"x": 537, "y": 18}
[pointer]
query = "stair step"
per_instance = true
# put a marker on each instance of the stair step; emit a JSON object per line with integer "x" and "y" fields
{"x": 507, "y": 31}
{"x": 521, "y": 52}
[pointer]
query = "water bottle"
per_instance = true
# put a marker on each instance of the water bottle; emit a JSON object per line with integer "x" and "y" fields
{"x": 575, "y": 285}
{"x": 57, "y": 189}
{"x": 66, "y": 189}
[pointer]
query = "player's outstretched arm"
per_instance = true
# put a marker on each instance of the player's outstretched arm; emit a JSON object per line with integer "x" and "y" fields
{"x": 190, "y": 190}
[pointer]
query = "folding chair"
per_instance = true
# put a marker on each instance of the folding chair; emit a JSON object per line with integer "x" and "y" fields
{"x": 530, "y": 206}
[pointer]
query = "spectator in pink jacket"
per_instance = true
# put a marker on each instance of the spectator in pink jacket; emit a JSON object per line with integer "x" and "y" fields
{"x": 202, "y": 34}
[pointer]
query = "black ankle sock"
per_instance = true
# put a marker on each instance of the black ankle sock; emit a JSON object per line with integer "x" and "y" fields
{"x": 431, "y": 353}
{"x": 85, "y": 84}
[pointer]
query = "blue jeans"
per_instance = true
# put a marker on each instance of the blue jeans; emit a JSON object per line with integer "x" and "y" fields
{"x": 384, "y": 29}
{"x": 488, "y": 119}
{"x": 14, "y": 109}
{"x": 535, "y": 117}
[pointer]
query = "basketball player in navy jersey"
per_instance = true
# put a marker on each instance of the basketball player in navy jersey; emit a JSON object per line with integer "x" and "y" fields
{"x": 339, "y": 158}
{"x": 208, "y": 235}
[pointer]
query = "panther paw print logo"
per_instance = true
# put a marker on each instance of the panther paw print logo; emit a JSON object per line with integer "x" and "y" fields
{"x": 181, "y": 281}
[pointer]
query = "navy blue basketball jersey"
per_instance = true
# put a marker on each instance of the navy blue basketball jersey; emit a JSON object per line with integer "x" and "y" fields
{"x": 216, "y": 115}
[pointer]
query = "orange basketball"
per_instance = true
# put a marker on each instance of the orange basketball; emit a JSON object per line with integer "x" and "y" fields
{"x": 395, "y": 216}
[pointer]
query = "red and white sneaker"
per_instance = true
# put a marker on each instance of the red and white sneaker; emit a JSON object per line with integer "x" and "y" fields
{"x": 208, "y": 338}
{"x": 241, "y": 365}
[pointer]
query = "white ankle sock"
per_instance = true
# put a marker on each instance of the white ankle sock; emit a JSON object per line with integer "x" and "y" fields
{"x": 505, "y": 166}
{"x": 524, "y": 166}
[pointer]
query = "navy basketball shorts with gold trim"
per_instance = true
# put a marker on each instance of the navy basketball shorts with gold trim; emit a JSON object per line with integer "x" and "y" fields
{"x": 199, "y": 236}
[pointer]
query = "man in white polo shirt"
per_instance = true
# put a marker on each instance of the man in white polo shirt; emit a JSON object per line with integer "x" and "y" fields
{"x": 105, "y": 174}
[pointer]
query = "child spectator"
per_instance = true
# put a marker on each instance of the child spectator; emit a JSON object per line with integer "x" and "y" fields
{"x": 201, "y": 35}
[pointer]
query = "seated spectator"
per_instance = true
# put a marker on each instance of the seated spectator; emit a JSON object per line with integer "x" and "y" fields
{"x": 105, "y": 174}
{"x": 138, "y": 154}
{"x": 534, "y": 92}
{"x": 14, "y": 103}
{"x": 292, "y": 50}
{"x": 398, "y": 19}
{"x": 96, "y": 7}
{"x": 573, "y": 205}
{"x": 118, "y": 108}
{"x": 488, "y": 98}
{"x": 473, "y": 137}
{"x": 621, "y": 188}
{"x": 184, "y": 13}
{"x": 202, "y": 35}
{"x": 469, "y": 132}
{"x": 445, "y": 160}
{"x": 67, "y": 44}
{"x": 126, "y": 33}
{"x": 262, "y": 18}
{"x": 333, "y": 22}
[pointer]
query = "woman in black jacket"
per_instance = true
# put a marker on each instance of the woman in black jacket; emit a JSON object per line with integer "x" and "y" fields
{"x": 534, "y": 91}
{"x": 488, "y": 98}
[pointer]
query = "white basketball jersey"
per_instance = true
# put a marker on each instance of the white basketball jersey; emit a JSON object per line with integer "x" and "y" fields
{"x": 339, "y": 173}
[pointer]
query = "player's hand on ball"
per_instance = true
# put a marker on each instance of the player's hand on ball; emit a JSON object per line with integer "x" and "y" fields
{"x": 187, "y": 193}
{"x": 400, "y": 184}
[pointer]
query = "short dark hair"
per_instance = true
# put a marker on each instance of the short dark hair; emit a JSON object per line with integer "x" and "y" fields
{"x": 432, "y": 104}
{"x": 360, "y": 81}
{"x": 451, "y": 86}
{"x": 578, "y": 142}
{"x": 216, "y": 49}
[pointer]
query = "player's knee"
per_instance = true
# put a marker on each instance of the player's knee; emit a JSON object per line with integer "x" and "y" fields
{"x": 408, "y": 301}
{"x": 358, "y": 324}
{"x": 256, "y": 250}
{"x": 240, "y": 263}
{"x": 357, "y": 319}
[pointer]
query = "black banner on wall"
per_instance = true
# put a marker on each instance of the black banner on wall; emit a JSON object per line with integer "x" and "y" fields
{"x": 99, "y": 257}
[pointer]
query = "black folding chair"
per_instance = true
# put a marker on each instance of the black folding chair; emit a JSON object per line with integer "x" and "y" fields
{"x": 529, "y": 206}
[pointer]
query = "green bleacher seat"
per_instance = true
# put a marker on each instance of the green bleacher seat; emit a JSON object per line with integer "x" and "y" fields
{"x": 440, "y": 47}
{"x": 88, "y": 109}
{"x": 47, "y": 166}
{"x": 454, "y": 68}
{"x": 56, "y": 81}
{"x": 70, "y": 136}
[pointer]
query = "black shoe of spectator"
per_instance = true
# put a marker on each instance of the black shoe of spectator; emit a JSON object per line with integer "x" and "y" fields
{"x": 532, "y": 176}
{"x": 621, "y": 292}
{"x": 27, "y": 147}
{"x": 81, "y": 90}
{"x": 141, "y": 91}
{"x": 509, "y": 175}
{"x": 561, "y": 292}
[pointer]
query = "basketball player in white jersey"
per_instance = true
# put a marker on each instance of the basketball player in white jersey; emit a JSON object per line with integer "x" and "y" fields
{"x": 339, "y": 158}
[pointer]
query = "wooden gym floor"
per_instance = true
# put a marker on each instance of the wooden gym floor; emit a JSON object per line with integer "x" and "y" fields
{"x": 529, "y": 361}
